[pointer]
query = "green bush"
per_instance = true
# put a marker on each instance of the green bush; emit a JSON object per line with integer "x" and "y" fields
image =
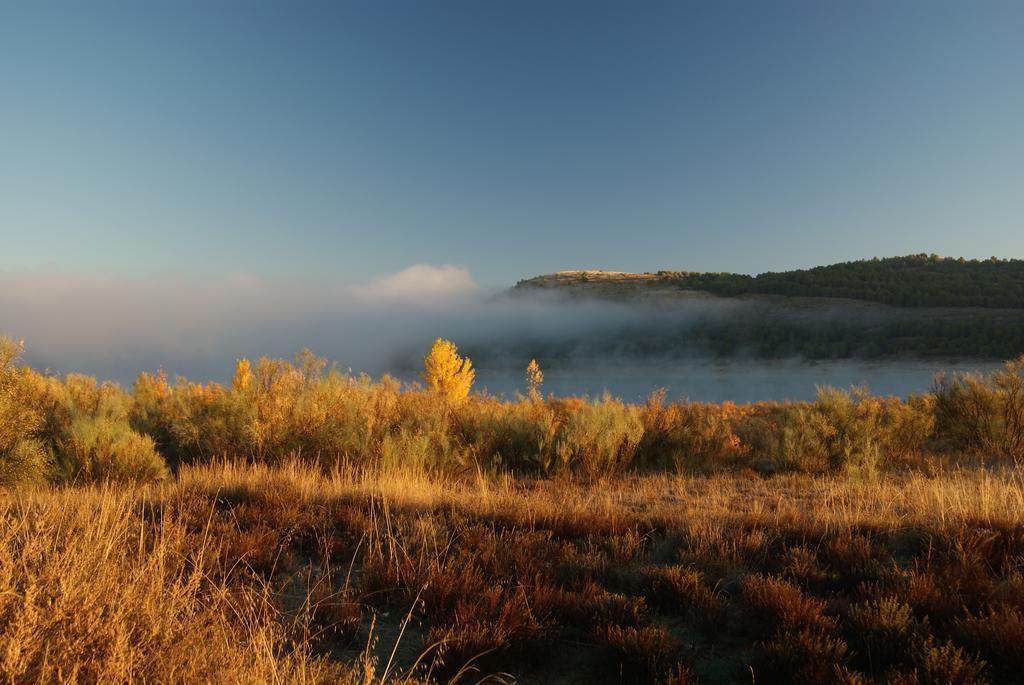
{"x": 800, "y": 441}
{"x": 101, "y": 448}
{"x": 519, "y": 436}
{"x": 983, "y": 414}
{"x": 22, "y": 456}
{"x": 70, "y": 430}
{"x": 855, "y": 437}
{"x": 598, "y": 439}
{"x": 841, "y": 431}
{"x": 90, "y": 436}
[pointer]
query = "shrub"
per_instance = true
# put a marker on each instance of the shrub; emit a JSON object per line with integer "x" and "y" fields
{"x": 998, "y": 633}
{"x": 846, "y": 431}
{"x": 22, "y": 456}
{"x": 85, "y": 430}
{"x": 854, "y": 441}
{"x": 103, "y": 447}
{"x": 800, "y": 440}
{"x": 781, "y": 603}
{"x": 598, "y": 439}
{"x": 205, "y": 422}
{"x": 692, "y": 435}
{"x": 850, "y": 431}
{"x": 883, "y": 632}
{"x": 856, "y": 558}
{"x": 682, "y": 590}
{"x": 801, "y": 565}
{"x": 273, "y": 410}
{"x": 907, "y": 426}
{"x": 983, "y": 414}
{"x": 518, "y": 436}
{"x": 799, "y": 655}
{"x": 944, "y": 664}
{"x": 151, "y": 413}
{"x": 639, "y": 654}
{"x": 419, "y": 451}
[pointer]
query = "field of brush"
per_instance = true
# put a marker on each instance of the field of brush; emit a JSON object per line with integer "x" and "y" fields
{"x": 305, "y": 526}
{"x": 244, "y": 573}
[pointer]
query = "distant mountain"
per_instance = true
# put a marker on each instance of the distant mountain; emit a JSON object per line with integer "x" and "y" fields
{"x": 912, "y": 281}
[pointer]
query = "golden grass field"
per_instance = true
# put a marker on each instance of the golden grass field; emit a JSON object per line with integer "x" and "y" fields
{"x": 241, "y": 573}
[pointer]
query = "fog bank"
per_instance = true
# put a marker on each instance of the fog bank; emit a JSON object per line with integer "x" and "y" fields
{"x": 115, "y": 327}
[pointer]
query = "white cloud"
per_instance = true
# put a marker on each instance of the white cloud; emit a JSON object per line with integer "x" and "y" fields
{"x": 421, "y": 281}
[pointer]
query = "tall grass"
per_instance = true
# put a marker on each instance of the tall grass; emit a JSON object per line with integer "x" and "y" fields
{"x": 94, "y": 590}
{"x": 236, "y": 572}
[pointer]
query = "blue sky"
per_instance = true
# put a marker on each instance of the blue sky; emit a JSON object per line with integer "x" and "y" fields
{"x": 344, "y": 141}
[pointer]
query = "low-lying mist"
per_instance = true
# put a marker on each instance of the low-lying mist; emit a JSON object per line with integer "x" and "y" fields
{"x": 704, "y": 348}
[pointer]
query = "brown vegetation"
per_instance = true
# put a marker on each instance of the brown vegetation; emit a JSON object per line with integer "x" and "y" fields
{"x": 288, "y": 574}
{"x": 316, "y": 527}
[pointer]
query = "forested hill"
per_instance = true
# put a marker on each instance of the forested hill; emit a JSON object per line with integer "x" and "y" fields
{"x": 912, "y": 281}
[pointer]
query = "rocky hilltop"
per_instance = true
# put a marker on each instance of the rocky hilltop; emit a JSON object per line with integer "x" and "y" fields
{"x": 610, "y": 285}
{"x": 657, "y": 289}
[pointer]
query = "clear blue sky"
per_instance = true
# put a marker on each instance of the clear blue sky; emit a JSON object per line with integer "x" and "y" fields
{"x": 347, "y": 140}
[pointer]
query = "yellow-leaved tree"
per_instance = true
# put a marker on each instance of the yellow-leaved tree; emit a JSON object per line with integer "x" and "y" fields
{"x": 243, "y": 375}
{"x": 534, "y": 378}
{"x": 446, "y": 373}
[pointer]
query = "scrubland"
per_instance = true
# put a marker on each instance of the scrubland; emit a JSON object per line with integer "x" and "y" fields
{"x": 304, "y": 525}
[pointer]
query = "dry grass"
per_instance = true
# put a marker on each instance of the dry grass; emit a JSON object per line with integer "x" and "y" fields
{"x": 92, "y": 589}
{"x": 242, "y": 573}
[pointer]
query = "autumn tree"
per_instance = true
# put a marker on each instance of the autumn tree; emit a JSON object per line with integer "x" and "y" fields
{"x": 447, "y": 373}
{"x": 534, "y": 378}
{"x": 243, "y": 376}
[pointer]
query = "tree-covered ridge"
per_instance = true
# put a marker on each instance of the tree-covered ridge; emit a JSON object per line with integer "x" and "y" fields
{"x": 913, "y": 281}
